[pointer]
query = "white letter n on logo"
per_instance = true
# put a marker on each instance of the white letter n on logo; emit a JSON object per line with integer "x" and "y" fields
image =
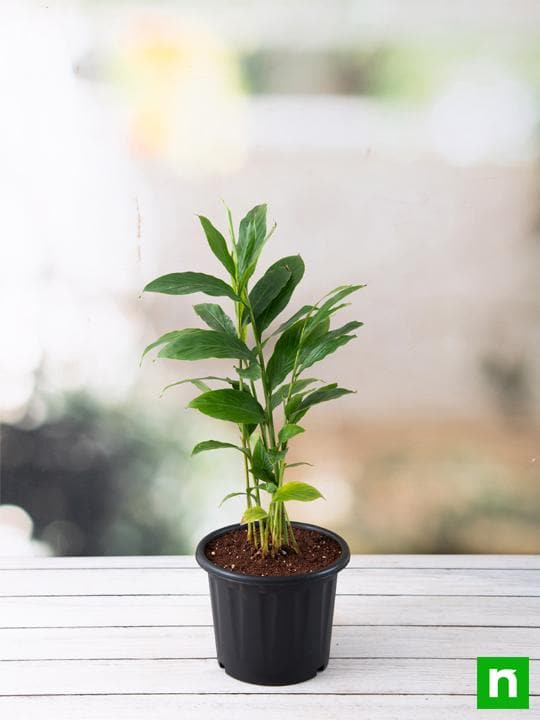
{"x": 496, "y": 675}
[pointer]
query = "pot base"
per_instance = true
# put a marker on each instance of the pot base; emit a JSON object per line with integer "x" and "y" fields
{"x": 254, "y": 681}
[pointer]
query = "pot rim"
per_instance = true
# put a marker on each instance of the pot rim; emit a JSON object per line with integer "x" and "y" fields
{"x": 327, "y": 571}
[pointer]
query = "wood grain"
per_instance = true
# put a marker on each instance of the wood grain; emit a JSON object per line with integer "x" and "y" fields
{"x": 132, "y": 638}
{"x": 188, "y": 581}
{"x": 262, "y": 707}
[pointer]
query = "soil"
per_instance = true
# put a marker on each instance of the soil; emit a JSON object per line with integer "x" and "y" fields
{"x": 232, "y": 551}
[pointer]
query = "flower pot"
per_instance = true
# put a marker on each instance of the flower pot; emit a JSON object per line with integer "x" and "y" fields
{"x": 272, "y": 630}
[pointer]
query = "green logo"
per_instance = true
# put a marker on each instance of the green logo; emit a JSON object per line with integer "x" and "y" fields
{"x": 502, "y": 682}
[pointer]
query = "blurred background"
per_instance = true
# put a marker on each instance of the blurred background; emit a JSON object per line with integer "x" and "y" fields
{"x": 396, "y": 144}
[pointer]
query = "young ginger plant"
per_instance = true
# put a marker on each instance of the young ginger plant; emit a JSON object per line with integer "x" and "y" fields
{"x": 270, "y": 370}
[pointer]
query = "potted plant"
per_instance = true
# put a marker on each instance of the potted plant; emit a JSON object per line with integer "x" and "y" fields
{"x": 272, "y": 581}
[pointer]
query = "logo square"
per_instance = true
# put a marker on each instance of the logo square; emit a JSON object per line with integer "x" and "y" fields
{"x": 502, "y": 683}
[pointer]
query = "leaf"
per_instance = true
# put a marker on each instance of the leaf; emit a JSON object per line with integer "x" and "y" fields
{"x": 198, "y": 382}
{"x": 277, "y": 455}
{"x": 250, "y": 428}
{"x": 261, "y": 464}
{"x": 297, "y": 315}
{"x": 296, "y": 491}
{"x": 252, "y": 514}
{"x": 336, "y": 295}
{"x": 324, "y": 394}
{"x": 291, "y": 465}
{"x": 197, "y": 344}
{"x": 251, "y": 372}
{"x": 283, "y": 391}
{"x": 328, "y": 392}
{"x": 235, "y": 494}
{"x": 228, "y": 404}
{"x": 346, "y": 329}
{"x": 288, "y": 431}
{"x": 185, "y": 283}
{"x": 251, "y": 238}
{"x": 312, "y": 332}
{"x": 215, "y": 445}
{"x": 292, "y": 406}
{"x": 318, "y": 352}
{"x": 266, "y": 290}
{"x": 300, "y": 385}
{"x": 218, "y": 245}
{"x": 282, "y": 360}
{"x": 214, "y": 316}
{"x": 269, "y": 487}
{"x": 167, "y": 337}
{"x": 294, "y": 266}
{"x": 319, "y": 322}
{"x": 321, "y": 348}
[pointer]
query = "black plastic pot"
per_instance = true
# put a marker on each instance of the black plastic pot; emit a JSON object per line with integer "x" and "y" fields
{"x": 272, "y": 630}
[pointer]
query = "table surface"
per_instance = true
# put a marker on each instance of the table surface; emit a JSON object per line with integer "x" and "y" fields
{"x": 132, "y": 638}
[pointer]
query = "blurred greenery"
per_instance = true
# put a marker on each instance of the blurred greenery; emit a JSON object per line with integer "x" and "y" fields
{"x": 409, "y": 71}
{"x": 442, "y": 488}
{"x": 99, "y": 480}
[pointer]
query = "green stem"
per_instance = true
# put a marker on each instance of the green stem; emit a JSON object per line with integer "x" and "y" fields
{"x": 264, "y": 380}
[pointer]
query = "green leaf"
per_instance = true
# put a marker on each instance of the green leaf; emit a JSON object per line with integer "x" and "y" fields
{"x": 297, "y": 315}
{"x": 296, "y": 491}
{"x": 218, "y": 245}
{"x": 267, "y": 289}
{"x": 235, "y": 494}
{"x": 292, "y": 406}
{"x": 251, "y": 372}
{"x": 294, "y": 266}
{"x": 252, "y": 514}
{"x": 336, "y": 295}
{"x": 291, "y": 465}
{"x": 198, "y": 382}
{"x": 319, "y": 321}
{"x": 228, "y": 404}
{"x": 261, "y": 464}
{"x": 185, "y": 283}
{"x": 283, "y": 391}
{"x": 215, "y": 318}
{"x": 324, "y": 394}
{"x": 251, "y": 238}
{"x": 197, "y": 344}
{"x": 288, "y": 431}
{"x": 215, "y": 445}
{"x": 318, "y": 334}
{"x": 166, "y": 338}
{"x": 314, "y": 331}
{"x": 282, "y": 360}
{"x": 319, "y": 348}
{"x": 200, "y": 385}
{"x": 268, "y": 487}
{"x": 277, "y": 455}
{"x": 326, "y": 347}
{"x": 250, "y": 428}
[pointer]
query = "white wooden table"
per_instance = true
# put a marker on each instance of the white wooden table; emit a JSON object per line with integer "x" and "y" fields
{"x": 131, "y": 638}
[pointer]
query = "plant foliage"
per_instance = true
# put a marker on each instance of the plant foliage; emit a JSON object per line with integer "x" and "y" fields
{"x": 268, "y": 394}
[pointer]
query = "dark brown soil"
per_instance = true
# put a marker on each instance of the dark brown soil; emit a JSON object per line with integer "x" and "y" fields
{"x": 232, "y": 551}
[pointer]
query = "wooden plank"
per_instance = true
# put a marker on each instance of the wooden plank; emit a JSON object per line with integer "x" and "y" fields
{"x": 198, "y": 642}
{"x": 164, "y": 611}
{"x": 262, "y": 707}
{"x": 357, "y": 561}
{"x": 368, "y": 581}
{"x": 400, "y": 676}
